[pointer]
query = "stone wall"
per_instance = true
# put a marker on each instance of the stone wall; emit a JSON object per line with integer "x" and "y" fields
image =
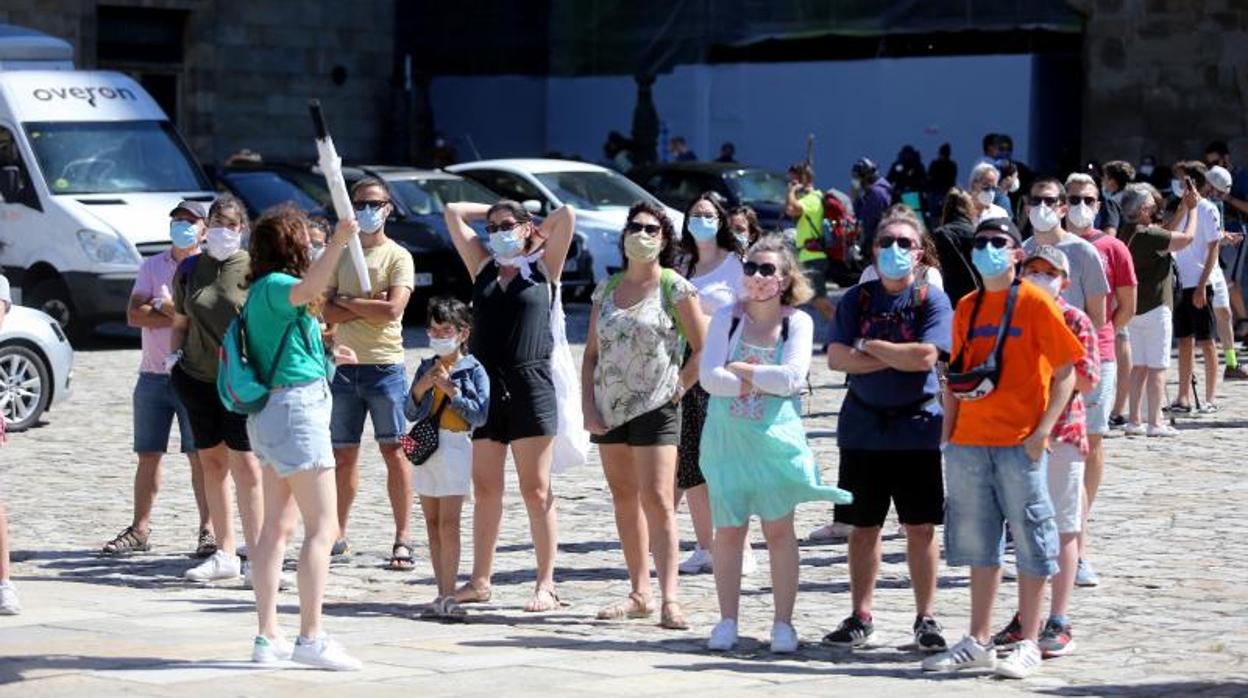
{"x": 250, "y": 67}
{"x": 1165, "y": 77}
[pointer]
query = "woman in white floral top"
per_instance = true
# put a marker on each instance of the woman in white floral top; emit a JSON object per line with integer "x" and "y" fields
{"x": 631, "y": 389}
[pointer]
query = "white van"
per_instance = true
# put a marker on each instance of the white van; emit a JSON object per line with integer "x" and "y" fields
{"x": 90, "y": 167}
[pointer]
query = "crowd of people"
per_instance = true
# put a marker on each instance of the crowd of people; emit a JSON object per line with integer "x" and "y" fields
{"x": 987, "y": 358}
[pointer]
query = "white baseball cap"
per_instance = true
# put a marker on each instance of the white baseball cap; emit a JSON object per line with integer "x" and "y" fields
{"x": 1219, "y": 178}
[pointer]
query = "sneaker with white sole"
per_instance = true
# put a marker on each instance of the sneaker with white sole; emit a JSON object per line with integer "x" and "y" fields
{"x": 833, "y": 532}
{"x": 1021, "y": 662}
{"x": 852, "y": 632}
{"x": 9, "y": 605}
{"x": 1134, "y": 429}
{"x": 783, "y": 638}
{"x": 967, "y": 654}
{"x": 285, "y": 580}
{"x": 723, "y": 636}
{"x": 928, "y": 635}
{"x": 220, "y": 565}
{"x": 324, "y": 653}
{"x": 1085, "y": 576}
{"x": 271, "y": 650}
{"x": 1163, "y": 431}
{"x": 698, "y": 562}
{"x": 1056, "y": 640}
{"x": 749, "y": 562}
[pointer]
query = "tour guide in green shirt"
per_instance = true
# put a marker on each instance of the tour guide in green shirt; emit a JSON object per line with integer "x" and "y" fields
{"x": 805, "y": 205}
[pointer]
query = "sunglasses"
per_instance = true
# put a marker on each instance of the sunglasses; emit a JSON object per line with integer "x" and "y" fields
{"x": 997, "y": 241}
{"x": 765, "y": 269}
{"x": 361, "y": 205}
{"x": 1076, "y": 200}
{"x": 888, "y": 241}
{"x": 505, "y": 226}
{"x": 649, "y": 228}
{"x": 1049, "y": 201}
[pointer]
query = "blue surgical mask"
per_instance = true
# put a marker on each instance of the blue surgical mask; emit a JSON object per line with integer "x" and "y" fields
{"x": 1176, "y": 187}
{"x": 370, "y": 220}
{"x": 992, "y": 262}
{"x": 743, "y": 240}
{"x": 506, "y": 244}
{"x": 184, "y": 234}
{"x": 703, "y": 229}
{"x": 894, "y": 263}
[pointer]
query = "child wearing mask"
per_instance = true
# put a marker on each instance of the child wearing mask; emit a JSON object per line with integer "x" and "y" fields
{"x": 454, "y": 388}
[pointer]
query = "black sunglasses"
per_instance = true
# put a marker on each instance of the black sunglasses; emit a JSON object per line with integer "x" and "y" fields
{"x": 1049, "y": 201}
{"x": 361, "y": 205}
{"x": 765, "y": 269}
{"x": 887, "y": 241}
{"x": 501, "y": 227}
{"x": 997, "y": 241}
{"x": 1076, "y": 200}
{"x": 649, "y": 228}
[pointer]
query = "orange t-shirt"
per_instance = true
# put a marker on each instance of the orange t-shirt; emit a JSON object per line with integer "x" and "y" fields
{"x": 1039, "y": 341}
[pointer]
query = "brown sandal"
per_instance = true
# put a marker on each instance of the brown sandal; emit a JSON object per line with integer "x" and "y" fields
{"x": 672, "y": 617}
{"x": 635, "y": 606}
{"x": 471, "y": 594}
{"x": 544, "y": 599}
{"x": 128, "y": 541}
{"x": 401, "y": 562}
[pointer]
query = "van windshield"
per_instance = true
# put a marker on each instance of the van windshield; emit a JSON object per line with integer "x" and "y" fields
{"x": 116, "y": 157}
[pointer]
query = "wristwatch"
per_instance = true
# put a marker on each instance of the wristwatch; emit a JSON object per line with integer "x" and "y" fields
{"x": 860, "y": 345}
{"x": 158, "y": 303}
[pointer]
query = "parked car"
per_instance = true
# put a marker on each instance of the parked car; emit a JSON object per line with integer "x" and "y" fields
{"x": 600, "y": 196}
{"x": 678, "y": 184}
{"x": 36, "y": 365}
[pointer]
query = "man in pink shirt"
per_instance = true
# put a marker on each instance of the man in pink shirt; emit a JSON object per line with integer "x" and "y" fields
{"x": 155, "y": 404}
{"x": 1083, "y": 198}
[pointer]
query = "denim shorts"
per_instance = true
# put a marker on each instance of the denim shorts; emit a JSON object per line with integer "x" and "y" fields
{"x": 987, "y": 486}
{"x": 291, "y": 433}
{"x": 155, "y": 405}
{"x": 376, "y": 391}
{"x": 1101, "y": 400}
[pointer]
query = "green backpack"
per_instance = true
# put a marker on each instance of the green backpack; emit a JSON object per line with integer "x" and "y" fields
{"x": 667, "y": 284}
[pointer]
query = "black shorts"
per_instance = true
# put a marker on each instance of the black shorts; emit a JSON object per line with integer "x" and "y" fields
{"x": 1190, "y": 321}
{"x": 211, "y": 423}
{"x": 909, "y": 479}
{"x": 816, "y": 271}
{"x": 658, "y": 427}
{"x": 522, "y": 404}
{"x": 692, "y": 417}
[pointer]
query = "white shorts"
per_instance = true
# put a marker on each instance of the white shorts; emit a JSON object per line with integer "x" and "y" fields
{"x": 1221, "y": 296}
{"x": 448, "y": 472}
{"x": 1150, "y": 335}
{"x": 1066, "y": 467}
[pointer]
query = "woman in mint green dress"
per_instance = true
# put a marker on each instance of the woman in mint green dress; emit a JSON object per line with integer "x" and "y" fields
{"x": 754, "y": 451}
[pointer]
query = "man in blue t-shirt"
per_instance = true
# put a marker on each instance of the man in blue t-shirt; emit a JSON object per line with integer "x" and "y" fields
{"x": 888, "y": 336}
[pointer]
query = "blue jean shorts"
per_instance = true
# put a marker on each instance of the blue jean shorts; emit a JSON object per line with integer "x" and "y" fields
{"x": 291, "y": 433}
{"x": 1101, "y": 400}
{"x": 987, "y": 486}
{"x": 375, "y": 391}
{"x": 155, "y": 405}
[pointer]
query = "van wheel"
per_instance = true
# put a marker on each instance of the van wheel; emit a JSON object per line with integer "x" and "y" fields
{"x": 52, "y": 297}
{"x": 25, "y": 386}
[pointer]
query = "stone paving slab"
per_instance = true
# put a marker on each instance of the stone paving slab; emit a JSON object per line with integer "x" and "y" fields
{"x": 1170, "y": 618}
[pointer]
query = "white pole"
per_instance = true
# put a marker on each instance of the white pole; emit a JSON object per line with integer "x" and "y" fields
{"x": 331, "y": 167}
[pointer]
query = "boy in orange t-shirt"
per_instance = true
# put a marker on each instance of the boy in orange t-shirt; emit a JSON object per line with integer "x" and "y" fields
{"x": 997, "y": 444}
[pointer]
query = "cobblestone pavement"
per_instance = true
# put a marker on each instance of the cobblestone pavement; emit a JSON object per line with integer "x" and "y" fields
{"x": 1170, "y": 617}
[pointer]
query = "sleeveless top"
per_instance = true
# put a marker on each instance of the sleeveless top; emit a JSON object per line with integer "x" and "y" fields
{"x": 511, "y": 326}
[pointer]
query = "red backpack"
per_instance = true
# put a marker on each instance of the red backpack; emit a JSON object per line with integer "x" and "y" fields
{"x": 840, "y": 230}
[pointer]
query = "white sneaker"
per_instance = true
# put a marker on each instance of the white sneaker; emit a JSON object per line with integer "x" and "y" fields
{"x": 698, "y": 562}
{"x": 749, "y": 563}
{"x": 1009, "y": 572}
{"x": 1021, "y": 662}
{"x": 219, "y": 565}
{"x": 9, "y": 605}
{"x": 1163, "y": 430}
{"x": 783, "y": 638}
{"x": 285, "y": 580}
{"x": 1133, "y": 429}
{"x": 967, "y": 654}
{"x": 271, "y": 651}
{"x": 324, "y": 653}
{"x": 831, "y": 533}
{"x": 723, "y": 636}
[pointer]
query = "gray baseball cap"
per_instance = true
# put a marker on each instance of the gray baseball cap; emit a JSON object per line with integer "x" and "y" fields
{"x": 1052, "y": 255}
{"x": 196, "y": 208}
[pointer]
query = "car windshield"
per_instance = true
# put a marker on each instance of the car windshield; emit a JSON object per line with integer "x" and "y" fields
{"x": 592, "y": 191}
{"x": 79, "y": 157}
{"x": 428, "y": 196}
{"x": 758, "y": 186}
{"x": 263, "y": 190}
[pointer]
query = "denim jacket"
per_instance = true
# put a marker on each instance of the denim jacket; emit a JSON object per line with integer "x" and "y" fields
{"x": 473, "y": 401}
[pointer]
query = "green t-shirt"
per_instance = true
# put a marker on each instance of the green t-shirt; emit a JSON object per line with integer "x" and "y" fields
{"x": 267, "y": 316}
{"x": 810, "y": 224}
{"x": 210, "y": 299}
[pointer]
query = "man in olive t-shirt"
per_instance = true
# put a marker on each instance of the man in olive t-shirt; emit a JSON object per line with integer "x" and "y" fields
{"x": 376, "y": 386}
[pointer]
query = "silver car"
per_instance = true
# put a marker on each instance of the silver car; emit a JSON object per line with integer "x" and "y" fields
{"x": 36, "y": 365}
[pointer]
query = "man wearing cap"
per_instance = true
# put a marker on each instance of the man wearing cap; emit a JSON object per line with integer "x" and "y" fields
{"x": 997, "y": 429}
{"x": 1228, "y": 301}
{"x": 155, "y": 403}
{"x": 872, "y": 196}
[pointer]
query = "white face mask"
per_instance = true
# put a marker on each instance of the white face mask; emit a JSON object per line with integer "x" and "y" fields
{"x": 1176, "y": 187}
{"x": 985, "y": 197}
{"x": 1081, "y": 216}
{"x": 1043, "y": 218}
{"x": 1051, "y": 284}
{"x": 222, "y": 243}
{"x": 444, "y": 346}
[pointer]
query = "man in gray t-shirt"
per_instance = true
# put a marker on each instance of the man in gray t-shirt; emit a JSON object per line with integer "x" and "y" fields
{"x": 1089, "y": 286}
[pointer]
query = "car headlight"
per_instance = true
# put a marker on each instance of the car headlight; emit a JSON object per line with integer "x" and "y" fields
{"x": 104, "y": 247}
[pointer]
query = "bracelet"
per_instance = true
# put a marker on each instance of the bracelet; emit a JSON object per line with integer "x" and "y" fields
{"x": 860, "y": 345}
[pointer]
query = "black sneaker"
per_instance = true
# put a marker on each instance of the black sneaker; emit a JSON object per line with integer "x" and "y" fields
{"x": 852, "y": 632}
{"x": 1010, "y": 636}
{"x": 927, "y": 635}
{"x": 1117, "y": 421}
